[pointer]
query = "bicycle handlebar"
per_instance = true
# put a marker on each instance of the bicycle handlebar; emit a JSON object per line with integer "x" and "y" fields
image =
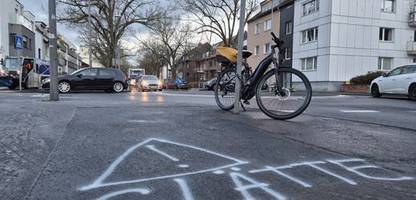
{"x": 278, "y": 41}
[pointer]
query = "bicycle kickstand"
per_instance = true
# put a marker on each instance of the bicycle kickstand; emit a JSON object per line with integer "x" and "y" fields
{"x": 242, "y": 106}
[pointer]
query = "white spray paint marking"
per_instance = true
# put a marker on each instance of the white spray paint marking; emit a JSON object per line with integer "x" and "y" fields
{"x": 122, "y": 192}
{"x": 218, "y": 172}
{"x": 237, "y": 169}
{"x": 153, "y": 148}
{"x": 146, "y": 121}
{"x": 304, "y": 184}
{"x": 356, "y": 169}
{"x": 310, "y": 164}
{"x": 99, "y": 182}
{"x": 187, "y": 194}
{"x": 359, "y": 111}
{"x": 183, "y": 166}
{"x": 237, "y": 177}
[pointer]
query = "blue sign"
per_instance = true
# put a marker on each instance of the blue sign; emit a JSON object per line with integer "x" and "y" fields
{"x": 18, "y": 43}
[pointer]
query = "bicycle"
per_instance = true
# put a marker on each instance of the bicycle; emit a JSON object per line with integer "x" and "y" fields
{"x": 281, "y": 93}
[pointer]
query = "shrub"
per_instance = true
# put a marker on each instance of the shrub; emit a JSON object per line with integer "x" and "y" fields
{"x": 366, "y": 79}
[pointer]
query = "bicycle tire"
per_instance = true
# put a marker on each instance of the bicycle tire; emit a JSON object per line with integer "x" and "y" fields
{"x": 219, "y": 88}
{"x": 298, "y": 111}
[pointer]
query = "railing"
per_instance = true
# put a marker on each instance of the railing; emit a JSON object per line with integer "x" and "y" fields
{"x": 411, "y": 48}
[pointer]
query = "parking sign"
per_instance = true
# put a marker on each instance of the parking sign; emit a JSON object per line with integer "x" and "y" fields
{"x": 18, "y": 42}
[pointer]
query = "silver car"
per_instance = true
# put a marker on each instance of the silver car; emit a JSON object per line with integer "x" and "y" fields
{"x": 149, "y": 83}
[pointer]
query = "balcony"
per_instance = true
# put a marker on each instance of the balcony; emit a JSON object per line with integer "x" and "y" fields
{"x": 412, "y": 19}
{"x": 411, "y": 48}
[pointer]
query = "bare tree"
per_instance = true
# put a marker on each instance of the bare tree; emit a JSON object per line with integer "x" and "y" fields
{"x": 110, "y": 21}
{"x": 218, "y": 17}
{"x": 151, "y": 62}
{"x": 170, "y": 41}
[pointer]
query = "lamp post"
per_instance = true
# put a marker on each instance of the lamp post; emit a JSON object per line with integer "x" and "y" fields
{"x": 240, "y": 56}
{"x": 53, "y": 68}
{"x": 89, "y": 34}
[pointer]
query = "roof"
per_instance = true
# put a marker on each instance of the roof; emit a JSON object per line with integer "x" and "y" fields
{"x": 282, "y": 4}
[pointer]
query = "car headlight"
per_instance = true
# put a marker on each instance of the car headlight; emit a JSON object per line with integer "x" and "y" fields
{"x": 46, "y": 80}
{"x": 145, "y": 83}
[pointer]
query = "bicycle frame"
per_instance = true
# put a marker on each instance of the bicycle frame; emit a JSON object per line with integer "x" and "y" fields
{"x": 249, "y": 87}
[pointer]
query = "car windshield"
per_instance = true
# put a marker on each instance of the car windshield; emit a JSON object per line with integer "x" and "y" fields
{"x": 150, "y": 78}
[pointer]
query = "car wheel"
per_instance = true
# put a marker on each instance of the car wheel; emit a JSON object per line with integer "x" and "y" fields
{"x": 118, "y": 87}
{"x": 375, "y": 92}
{"x": 412, "y": 92}
{"x": 64, "y": 87}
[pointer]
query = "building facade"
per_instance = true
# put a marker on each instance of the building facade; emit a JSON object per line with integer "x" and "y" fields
{"x": 17, "y": 36}
{"x": 41, "y": 41}
{"x": 68, "y": 59}
{"x": 259, "y": 28}
{"x": 336, "y": 40}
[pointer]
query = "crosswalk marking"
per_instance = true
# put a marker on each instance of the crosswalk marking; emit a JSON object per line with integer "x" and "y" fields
{"x": 359, "y": 111}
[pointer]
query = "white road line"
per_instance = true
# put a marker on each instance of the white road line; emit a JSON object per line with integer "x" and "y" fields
{"x": 359, "y": 111}
{"x": 146, "y": 121}
{"x": 153, "y": 148}
{"x": 212, "y": 95}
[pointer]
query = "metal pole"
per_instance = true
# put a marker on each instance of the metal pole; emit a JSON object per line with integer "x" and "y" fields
{"x": 240, "y": 56}
{"x": 53, "y": 68}
{"x": 89, "y": 34}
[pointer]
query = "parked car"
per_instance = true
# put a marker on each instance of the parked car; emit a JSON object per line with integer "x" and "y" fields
{"x": 108, "y": 79}
{"x": 210, "y": 84}
{"x": 169, "y": 84}
{"x": 149, "y": 83}
{"x": 401, "y": 80}
{"x": 181, "y": 84}
{"x": 176, "y": 84}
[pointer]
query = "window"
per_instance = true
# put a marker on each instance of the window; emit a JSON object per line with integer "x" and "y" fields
{"x": 388, "y": 5}
{"x": 309, "y": 64}
{"x": 386, "y": 34}
{"x": 411, "y": 69}
{"x": 25, "y": 42}
{"x": 385, "y": 63}
{"x": 288, "y": 53}
{"x": 88, "y": 72}
{"x": 257, "y": 29}
{"x": 268, "y": 25}
{"x": 310, "y": 35}
{"x": 39, "y": 53}
{"x": 310, "y": 7}
{"x": 396, "y": 71}
{"x": 106, "y": 72}
{"x": 257, "y": 50}
{"x": 289, "y": 27}
{"x": 267, "y": 48}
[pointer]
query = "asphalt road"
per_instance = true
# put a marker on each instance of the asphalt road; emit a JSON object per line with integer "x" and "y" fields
{"x": 179, "y": 145}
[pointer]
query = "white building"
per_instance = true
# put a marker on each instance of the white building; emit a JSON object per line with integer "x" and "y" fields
{"x": 335, "y": 40}
{"x": 42, "y": 41}
{"x": 15, "y": 21}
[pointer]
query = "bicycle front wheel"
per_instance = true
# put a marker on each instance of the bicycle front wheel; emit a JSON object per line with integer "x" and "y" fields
{"x": 225, "y": 89}
{"x": 283, "y": 95}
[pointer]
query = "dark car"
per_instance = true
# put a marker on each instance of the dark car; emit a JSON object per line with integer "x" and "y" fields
{"x": 210, "y": 84}
{"x": 108, "y": 79}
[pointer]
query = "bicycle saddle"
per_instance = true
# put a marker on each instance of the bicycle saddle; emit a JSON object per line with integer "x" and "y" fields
{"x": 227, "y": 54}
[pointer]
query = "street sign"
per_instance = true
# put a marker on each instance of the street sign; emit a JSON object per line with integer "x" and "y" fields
{"x": 18, "y": 42}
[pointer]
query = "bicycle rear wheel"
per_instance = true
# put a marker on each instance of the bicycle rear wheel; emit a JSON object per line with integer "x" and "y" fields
{"x": 293, "y": 98}
{"x": 225, "y": 89}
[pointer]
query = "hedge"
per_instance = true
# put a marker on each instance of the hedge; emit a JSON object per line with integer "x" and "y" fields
{"x": 366, "y": 79}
